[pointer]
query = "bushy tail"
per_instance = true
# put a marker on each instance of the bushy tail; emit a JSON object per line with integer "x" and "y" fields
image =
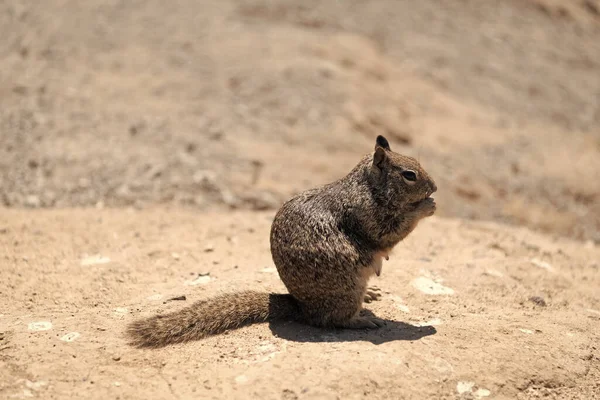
{"x": 212, "y": 316}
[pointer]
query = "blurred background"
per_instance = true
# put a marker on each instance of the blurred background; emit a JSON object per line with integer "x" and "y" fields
{"x": 240, "y": 104}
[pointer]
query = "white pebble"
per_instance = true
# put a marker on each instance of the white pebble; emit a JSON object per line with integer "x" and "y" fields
{"x": 467, "y": 387}
{"x": 71, "y": 336}
{"x": 35, "y": 385}
{"x": 429, "y": 286}
{"x": 241, "y": 379}
{"x": 541, "y": 264}
{"x": 39, "y": 326}
{"x": 201, "y": 280}
{"x": 94, "y": 260}
{"x": 493, "y": 272}
{"x": 154, "y": 297}
{"x": 121, "y": 310}
{"x": 400, "y": 303}
{"x": 464, "y": 387}
{"x": 527, "y": 331}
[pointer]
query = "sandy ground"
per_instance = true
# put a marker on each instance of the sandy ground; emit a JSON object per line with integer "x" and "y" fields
{"x": 145, "y": 146}
{"x": 242, "y": 103}
{"x": 478, "y": 308}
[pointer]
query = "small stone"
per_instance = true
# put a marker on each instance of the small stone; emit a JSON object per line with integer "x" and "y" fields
{"x": 32, "y": 201}
{"x": 35, "y": 385}
{"x": 71, "y": 336}
{"x": 178, "y": 298}
{"x": 541, "y": 264}
{"x": 39, "y": 326}
{"x": 429, "y": 286}
{"x": 94, "y": 260}
{"x": 493, "y": 272}
{"x": 116, "y": 357}
{"x": 200, "y": 280}
{"x": 464, "y": 387}
{"x": 538, "y": 300}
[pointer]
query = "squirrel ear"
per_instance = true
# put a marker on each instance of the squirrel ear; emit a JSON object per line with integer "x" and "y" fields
{"x": 379, "y": 157}
{"x": 382, "y": 142}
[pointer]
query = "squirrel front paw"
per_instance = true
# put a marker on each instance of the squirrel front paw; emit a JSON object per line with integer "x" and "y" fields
{"x": 373, "y": 293}
{"x": 425, "y": 207}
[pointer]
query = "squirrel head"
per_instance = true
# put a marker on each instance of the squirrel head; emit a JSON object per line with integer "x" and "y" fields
{"x": 399, "y": 179}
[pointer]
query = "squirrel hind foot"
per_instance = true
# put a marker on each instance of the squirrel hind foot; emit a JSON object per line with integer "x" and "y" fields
{"x": 362, "y": 323}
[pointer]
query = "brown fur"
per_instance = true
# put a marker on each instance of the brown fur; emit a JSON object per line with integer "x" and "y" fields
{"x": 326, "y": 243}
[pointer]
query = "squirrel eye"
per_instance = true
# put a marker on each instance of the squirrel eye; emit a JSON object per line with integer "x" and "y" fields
{"x": 409, "y": 175}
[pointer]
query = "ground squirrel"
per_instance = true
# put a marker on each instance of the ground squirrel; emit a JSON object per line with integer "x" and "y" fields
{"x": 326, "y": 243}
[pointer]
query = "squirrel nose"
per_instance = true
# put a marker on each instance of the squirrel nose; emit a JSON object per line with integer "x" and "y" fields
{"x": 433, "y": 188}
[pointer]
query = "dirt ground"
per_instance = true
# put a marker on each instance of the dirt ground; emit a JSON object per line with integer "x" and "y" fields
{"x": 478, "y": 308}
{"x": 145, "y": 147}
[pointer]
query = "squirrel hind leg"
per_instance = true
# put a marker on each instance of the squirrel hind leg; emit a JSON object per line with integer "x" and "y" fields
{"x": 344, "y": 314}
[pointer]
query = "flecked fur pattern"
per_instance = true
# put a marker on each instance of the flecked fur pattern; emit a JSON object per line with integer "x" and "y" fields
{"x": 326, "y": 243}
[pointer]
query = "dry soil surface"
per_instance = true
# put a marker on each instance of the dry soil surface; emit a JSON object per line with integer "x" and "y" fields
{"x": 474, "y": 310}
{"x": 224, "y": 103}
{"x": 145, "y": 145}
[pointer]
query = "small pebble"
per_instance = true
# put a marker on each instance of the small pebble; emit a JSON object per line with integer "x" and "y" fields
{"x": 464, "y": 387}
{"x": 541, "y": 264}
{"x": 429, "y": 286}
{"x": 71, "y": 336}
{"x": 95, "y": 260}
{"x": 39, "y": 326}
{"x": 200, "y": 280}
{"x": 178, "y": 298}
{"x": 538, "y": 300}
